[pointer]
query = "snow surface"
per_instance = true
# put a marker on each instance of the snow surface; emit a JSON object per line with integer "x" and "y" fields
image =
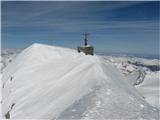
{"x": 150, "y": 88}
{"x": 48, "y": 82}
{"x": 145, "y": 77}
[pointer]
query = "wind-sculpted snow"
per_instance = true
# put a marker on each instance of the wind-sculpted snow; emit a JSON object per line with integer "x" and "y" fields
{"x": 47, "y": 82}
{"x": 114, "y": 99}
{"x": 142, "y": 73}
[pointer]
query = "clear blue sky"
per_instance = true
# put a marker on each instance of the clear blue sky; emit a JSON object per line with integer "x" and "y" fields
{"x": 123, "y": 27}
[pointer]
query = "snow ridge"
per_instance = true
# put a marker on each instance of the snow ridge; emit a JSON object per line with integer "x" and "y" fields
{"x": 48, "y": 82}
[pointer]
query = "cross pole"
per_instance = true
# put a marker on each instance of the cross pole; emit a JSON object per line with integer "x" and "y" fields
{"x": 85, "y": 39}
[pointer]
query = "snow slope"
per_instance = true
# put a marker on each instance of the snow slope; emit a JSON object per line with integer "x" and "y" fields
{"x": 144, "y": 74}
{"x": 150, "y": 88}
{"x": 48, "y": 82}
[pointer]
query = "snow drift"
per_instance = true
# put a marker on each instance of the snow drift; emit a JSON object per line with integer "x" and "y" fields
{"x": 48, "y": 82}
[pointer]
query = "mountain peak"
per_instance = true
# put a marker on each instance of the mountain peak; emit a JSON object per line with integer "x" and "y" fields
{"x": 48, "y": 82}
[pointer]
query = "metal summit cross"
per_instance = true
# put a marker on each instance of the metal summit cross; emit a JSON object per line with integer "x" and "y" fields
{"x": 87, "y": 49}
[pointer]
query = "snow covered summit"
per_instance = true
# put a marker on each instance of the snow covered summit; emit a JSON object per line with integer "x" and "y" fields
{"x": 48, "y": 82}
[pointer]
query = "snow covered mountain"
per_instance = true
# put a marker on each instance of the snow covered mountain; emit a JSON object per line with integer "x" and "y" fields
{"x": 48, "y": 82}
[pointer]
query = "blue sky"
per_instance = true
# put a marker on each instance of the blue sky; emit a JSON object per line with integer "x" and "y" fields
{"x": 114, "y": 27}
